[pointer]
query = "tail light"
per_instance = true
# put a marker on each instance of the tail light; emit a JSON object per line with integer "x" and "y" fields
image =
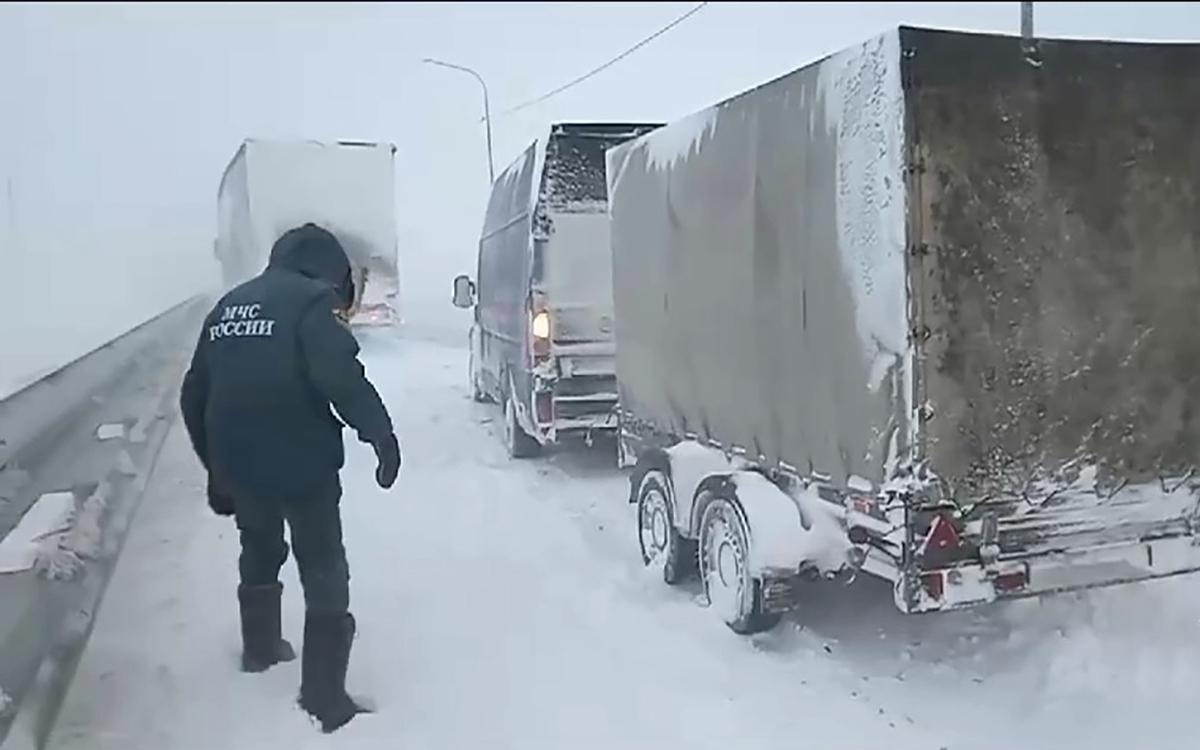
{"x": 540, "y": 327}
{"x": 1007, "y": 583}
{"x": 544, "y": 405}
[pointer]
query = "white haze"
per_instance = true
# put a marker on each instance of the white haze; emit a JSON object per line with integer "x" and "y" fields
{"x": 116, "y": 122}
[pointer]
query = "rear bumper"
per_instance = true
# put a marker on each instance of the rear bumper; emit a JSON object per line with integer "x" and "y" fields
{"x": 584, "y": 405}
{"x": 579, "y": 394}
{"x": 1093, "y": 567}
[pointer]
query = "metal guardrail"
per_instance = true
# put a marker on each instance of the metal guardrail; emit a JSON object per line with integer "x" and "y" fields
{"x": 49, "y": 442}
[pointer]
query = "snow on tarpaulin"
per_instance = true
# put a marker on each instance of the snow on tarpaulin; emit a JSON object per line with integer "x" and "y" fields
{"x": 668, "y": 145}
{"x": 864, "y": 105}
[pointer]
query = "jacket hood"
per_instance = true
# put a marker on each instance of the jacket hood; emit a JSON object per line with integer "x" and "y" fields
{"x": 314, "y": 252}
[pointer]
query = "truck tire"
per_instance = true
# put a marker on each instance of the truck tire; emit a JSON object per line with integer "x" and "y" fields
{"x": 661, "y": 543}
{"x": 731, "y": 590}
{"x": 516, "y": 440}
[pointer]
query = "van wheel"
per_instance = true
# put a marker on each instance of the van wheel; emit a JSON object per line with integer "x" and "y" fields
{"x": 662, "y": 546}
{"x": 516, "y": 440}
{"x": 732, "y": 592}
{"x": 478, "y": 395}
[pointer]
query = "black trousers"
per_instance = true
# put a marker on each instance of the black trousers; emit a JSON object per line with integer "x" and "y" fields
{"x": 315, "y": 527}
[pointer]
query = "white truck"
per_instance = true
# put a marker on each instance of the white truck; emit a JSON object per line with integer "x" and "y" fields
{"x": 346, "y": 187}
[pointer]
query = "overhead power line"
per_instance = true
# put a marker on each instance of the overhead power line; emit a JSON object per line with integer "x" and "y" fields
{"x": 609, "y": 64}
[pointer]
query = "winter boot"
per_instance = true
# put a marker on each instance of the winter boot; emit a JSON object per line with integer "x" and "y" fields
{"x": 327, "y": 641}
{"x": 262, "y": 644}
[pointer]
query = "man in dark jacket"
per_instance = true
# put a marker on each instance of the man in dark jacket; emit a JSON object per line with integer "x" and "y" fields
{"x": 271, "y": 360}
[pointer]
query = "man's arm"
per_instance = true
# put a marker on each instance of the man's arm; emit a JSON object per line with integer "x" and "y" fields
{"x": 331, "y": 356}
{"x": 193, "y": 401}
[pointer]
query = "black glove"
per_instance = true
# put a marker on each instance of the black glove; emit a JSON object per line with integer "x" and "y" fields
{"x": 220, "y": 503}
{"x": 388, "y": 454}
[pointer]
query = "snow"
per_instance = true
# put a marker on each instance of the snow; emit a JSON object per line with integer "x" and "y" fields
{"x": 110, "y": 431}
{"x": 787, "y": 532}
{"x": 503, "y": 604}
{"x": 864, "y": 105}
{"x": 50, "y": 515}
{"x": 666, "y": 146}
{"x": 691, "y": 462}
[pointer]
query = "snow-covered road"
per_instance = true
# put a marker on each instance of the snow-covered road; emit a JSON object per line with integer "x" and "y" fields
{"x": 503, "y": 605}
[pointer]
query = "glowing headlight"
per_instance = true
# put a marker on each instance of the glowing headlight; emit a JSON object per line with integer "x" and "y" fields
{"x": 541, "y": 325}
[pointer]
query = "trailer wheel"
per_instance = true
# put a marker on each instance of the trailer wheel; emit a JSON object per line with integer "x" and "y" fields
{"x": 663, "y": 548}
{"x": 516, "y": 440}
{"x": 724, "y": 569}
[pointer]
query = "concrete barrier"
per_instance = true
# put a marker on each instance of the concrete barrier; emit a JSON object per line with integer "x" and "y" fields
{"x": 94, "y": 428}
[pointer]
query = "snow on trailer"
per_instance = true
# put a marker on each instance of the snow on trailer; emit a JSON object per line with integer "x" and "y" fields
{"x": 942, "y": 283}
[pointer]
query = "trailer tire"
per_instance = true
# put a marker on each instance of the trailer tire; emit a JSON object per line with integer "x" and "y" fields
{"x": 662, "y": 546}
{"x": 516, "y": 440}
{"x": 735, "y": 594}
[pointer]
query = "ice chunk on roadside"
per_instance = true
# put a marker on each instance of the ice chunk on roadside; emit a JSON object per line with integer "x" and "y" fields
{"x": 50, "y": 515}
{"x": 110, "y": 431}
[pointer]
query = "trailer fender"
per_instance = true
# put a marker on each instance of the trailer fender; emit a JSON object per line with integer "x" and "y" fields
{"x": 692, "y": 466}
{"x": 782, "y": 541}
{"x": 651, "y": 460}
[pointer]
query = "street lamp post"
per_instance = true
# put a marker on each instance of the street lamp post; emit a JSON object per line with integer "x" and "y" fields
{"x": 487, "y": 113}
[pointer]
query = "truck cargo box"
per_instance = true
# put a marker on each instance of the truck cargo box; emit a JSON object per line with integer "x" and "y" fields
{"x": 345, "y": 187}
{"x": 950, "y": 282}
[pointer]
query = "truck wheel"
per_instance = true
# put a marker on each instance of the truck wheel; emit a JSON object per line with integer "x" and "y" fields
{"x": 518, "y": 442}
{"x": 662, "y": 546}
{"x": 724, "y": 569}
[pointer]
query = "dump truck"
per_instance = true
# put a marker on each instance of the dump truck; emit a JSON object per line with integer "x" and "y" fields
{"x": 542, "y": 338}
{"x": 346, "y": 187}
{"x": 925, "y": 309}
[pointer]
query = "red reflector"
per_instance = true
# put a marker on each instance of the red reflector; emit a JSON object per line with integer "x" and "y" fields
{"x": 1009, "y": 582}
{"x": 934, "y": 585}
{"x": 545, "y": 407}
{"x": 942, "y": 536}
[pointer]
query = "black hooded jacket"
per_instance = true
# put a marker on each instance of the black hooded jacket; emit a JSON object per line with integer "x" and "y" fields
{"x": 271, "y": 361}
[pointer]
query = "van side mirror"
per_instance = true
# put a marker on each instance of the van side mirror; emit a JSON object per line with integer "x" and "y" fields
{"x": 464, "y": 292}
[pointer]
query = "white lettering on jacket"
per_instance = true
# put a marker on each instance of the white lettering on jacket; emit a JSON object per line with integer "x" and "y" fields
{"x": 240, "y": 321}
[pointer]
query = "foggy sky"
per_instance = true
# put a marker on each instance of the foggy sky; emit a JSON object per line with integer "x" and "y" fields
{"x": 116, "y": 121}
